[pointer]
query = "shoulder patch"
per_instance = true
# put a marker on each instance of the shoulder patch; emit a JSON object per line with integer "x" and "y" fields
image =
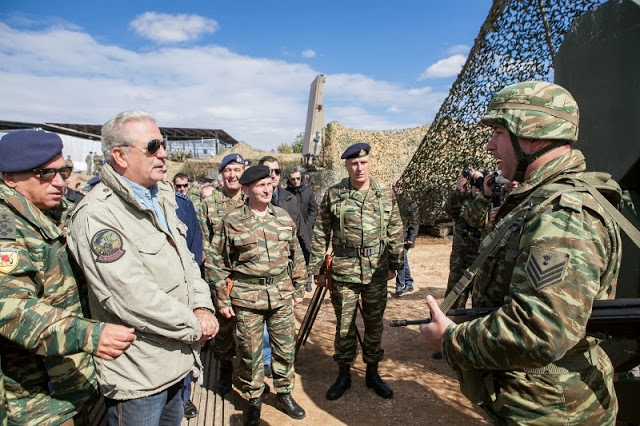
{"x": 107, "y": 245}
{"x": 571, "y": 202}
{"x": 546, "y": 267}
{"x": 7, "y": 225}
{"x": 8, "y": 260}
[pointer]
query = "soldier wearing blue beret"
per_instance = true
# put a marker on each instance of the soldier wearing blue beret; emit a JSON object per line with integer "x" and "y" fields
{"x": 359, "y": 217}
{"x": 45, "y": 342}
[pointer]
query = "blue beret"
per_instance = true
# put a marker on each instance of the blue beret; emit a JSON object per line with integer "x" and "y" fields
{"x": 94, "y": 181}
{"x": 356, "y": 150}
{"x": 24, "y": 150}
{"x": 231, "y": 158}
{"x": 253, "y": 174}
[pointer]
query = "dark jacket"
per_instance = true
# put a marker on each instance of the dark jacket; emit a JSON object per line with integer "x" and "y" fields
{"x": 308, "y": 210}
{"x": 410, "y": 218}
{"x": 187, "y": 214}
{"x": 289, "y": 203}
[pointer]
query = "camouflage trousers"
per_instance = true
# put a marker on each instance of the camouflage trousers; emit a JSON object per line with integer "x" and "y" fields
{"x": 563, "y": 399}
{"x": 224, "y": 345}
{"x": 463, "y": 254}
{"x": 374, "y": 301}
{"x": 282, "y": 336}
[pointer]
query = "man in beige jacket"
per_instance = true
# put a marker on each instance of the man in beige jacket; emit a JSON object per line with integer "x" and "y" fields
{"x": 131, "y": 246}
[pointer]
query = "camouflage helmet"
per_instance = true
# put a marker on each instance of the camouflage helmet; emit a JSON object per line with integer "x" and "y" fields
{"x": 535, "y": 110}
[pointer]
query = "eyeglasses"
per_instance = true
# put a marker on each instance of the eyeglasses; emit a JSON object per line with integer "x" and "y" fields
{"x": 181, "y": 185}
{"x": 153, "y": 146}
{"x": 276, "y": 171}
{"x": 50, "y": 174}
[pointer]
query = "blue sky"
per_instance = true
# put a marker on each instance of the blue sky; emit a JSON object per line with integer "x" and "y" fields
{"x": 241, "y": 66}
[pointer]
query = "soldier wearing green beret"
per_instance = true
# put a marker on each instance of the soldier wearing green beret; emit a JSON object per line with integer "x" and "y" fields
{"x": 360, "y": 218}
{"x": 559, "y": 251}
{"x": 259, "y": 274}
{"x": 45, "y": 342}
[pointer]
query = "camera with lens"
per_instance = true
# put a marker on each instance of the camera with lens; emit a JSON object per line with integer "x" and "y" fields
{"x": 477, "y": 182}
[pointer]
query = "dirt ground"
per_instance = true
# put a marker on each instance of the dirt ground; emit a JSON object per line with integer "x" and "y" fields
{"x": 425, "y": 390}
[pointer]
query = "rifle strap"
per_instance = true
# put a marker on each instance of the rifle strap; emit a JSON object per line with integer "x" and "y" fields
{"x": 504, "y": 229}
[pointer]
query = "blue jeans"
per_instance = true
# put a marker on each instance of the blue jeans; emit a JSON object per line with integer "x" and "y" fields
{"x": 267, "y": 347}
{"x": 186, "y": 388}
{"x": 161, "y": 409}
{"x": 404, "y": 277}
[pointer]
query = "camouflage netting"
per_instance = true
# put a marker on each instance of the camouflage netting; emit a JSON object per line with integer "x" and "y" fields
{"x": 514, "y": 44}
{"x": 391, "y": 151}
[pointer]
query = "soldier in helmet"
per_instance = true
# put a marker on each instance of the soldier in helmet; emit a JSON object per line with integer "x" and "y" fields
{"x": 559, "y": 251}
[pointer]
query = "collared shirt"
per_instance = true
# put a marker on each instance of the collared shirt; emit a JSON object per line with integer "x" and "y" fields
{"x": 148, "y": 198}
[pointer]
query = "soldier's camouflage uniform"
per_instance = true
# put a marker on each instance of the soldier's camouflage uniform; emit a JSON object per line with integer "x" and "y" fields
{"x": 245, "y": 248}
{"x": 41, "y": 318}
{"x": 212, "y": 210}
{"x": 541, "y": 369}
{"x": 466, "y": 240}
{"x": 3, "y": 401}
{"x": 362, "y": 259}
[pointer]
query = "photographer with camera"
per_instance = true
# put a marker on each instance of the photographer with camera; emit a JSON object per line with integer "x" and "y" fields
{"x": 482, "y": 211}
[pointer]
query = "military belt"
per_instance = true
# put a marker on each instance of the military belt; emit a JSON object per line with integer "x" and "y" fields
{"x": 250, "y": 279}
{"x": 568, "y": 364}
{"x": 356, "y": 251}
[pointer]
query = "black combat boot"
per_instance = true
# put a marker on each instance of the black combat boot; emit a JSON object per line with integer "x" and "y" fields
{"x": 253, "y": 412}
{"x": 225, "y": 377}
{"x": 343, "y": 382}
{"x": 374, "y": 381}
{"x": 284, "y": 402}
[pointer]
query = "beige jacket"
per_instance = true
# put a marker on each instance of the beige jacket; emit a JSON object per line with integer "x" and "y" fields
{"x": 143, "y": 277}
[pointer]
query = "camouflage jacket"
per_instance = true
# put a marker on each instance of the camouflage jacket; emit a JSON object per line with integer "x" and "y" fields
{"x": 456, "y": 207}
{"x": 567, "y": 256}
{"x": 246, "y": 246}
{"x": 210, "y": 214}
{"x": 41, "y": 317}
{"x": 142, "y": 276}
{"x": 362, "y": 228}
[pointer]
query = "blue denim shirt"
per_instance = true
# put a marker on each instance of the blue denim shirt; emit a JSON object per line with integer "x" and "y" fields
{"x": 148, "y": 198}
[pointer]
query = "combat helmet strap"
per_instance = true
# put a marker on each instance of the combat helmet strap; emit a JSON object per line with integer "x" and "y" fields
{"x": 525, "y": 160}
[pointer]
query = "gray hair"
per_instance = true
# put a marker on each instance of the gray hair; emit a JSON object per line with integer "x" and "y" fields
{"x": 114, "y": 135}
{"x": 296, "y": 169}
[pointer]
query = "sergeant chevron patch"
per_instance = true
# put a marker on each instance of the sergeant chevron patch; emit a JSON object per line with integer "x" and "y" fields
{"x": 546, "y": 267}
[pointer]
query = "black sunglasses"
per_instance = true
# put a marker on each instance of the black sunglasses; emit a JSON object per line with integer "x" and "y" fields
{"x": 181, "y": 185}
{"x": 50, "y": 174}
{"x": 153, "y": 146}
{"x": 276, "y": 171}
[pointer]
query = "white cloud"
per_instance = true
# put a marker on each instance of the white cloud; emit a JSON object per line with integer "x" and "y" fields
{"x": 309, "y": 53}
{"x": 458, "y": 49}
{"x": 58, "y": 75}
{"x": 165, "y": 28}
{"x": 447, "y": 67}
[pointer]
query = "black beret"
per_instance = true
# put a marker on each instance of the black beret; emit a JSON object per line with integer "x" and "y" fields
{"x": 231, "y": 158}
{"x": 356, "y": 150}
{"x": 24, "y": 150}
{"x": 253, "y": 174}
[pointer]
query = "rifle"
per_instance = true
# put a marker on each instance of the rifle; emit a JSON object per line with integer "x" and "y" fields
{"x": 315, "y": 304}
{"x": 610, "y": 319}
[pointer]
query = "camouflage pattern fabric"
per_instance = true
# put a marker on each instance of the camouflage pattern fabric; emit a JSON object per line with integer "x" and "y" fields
{"x": 248, "y": 247}
{"x": 568, "y": 255}
{"x": 361, "y": 229}
{"x": 535, "y": 110}
{"x": 282, "y": 337}
{"x": 355, "y": 276}
{"x": 374, "y": 301}
{"x": 41, "y": 318}
{"x": 466, "y": 240}
{"x": 194, "y": 196}
{"x": 212, "y": 210}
